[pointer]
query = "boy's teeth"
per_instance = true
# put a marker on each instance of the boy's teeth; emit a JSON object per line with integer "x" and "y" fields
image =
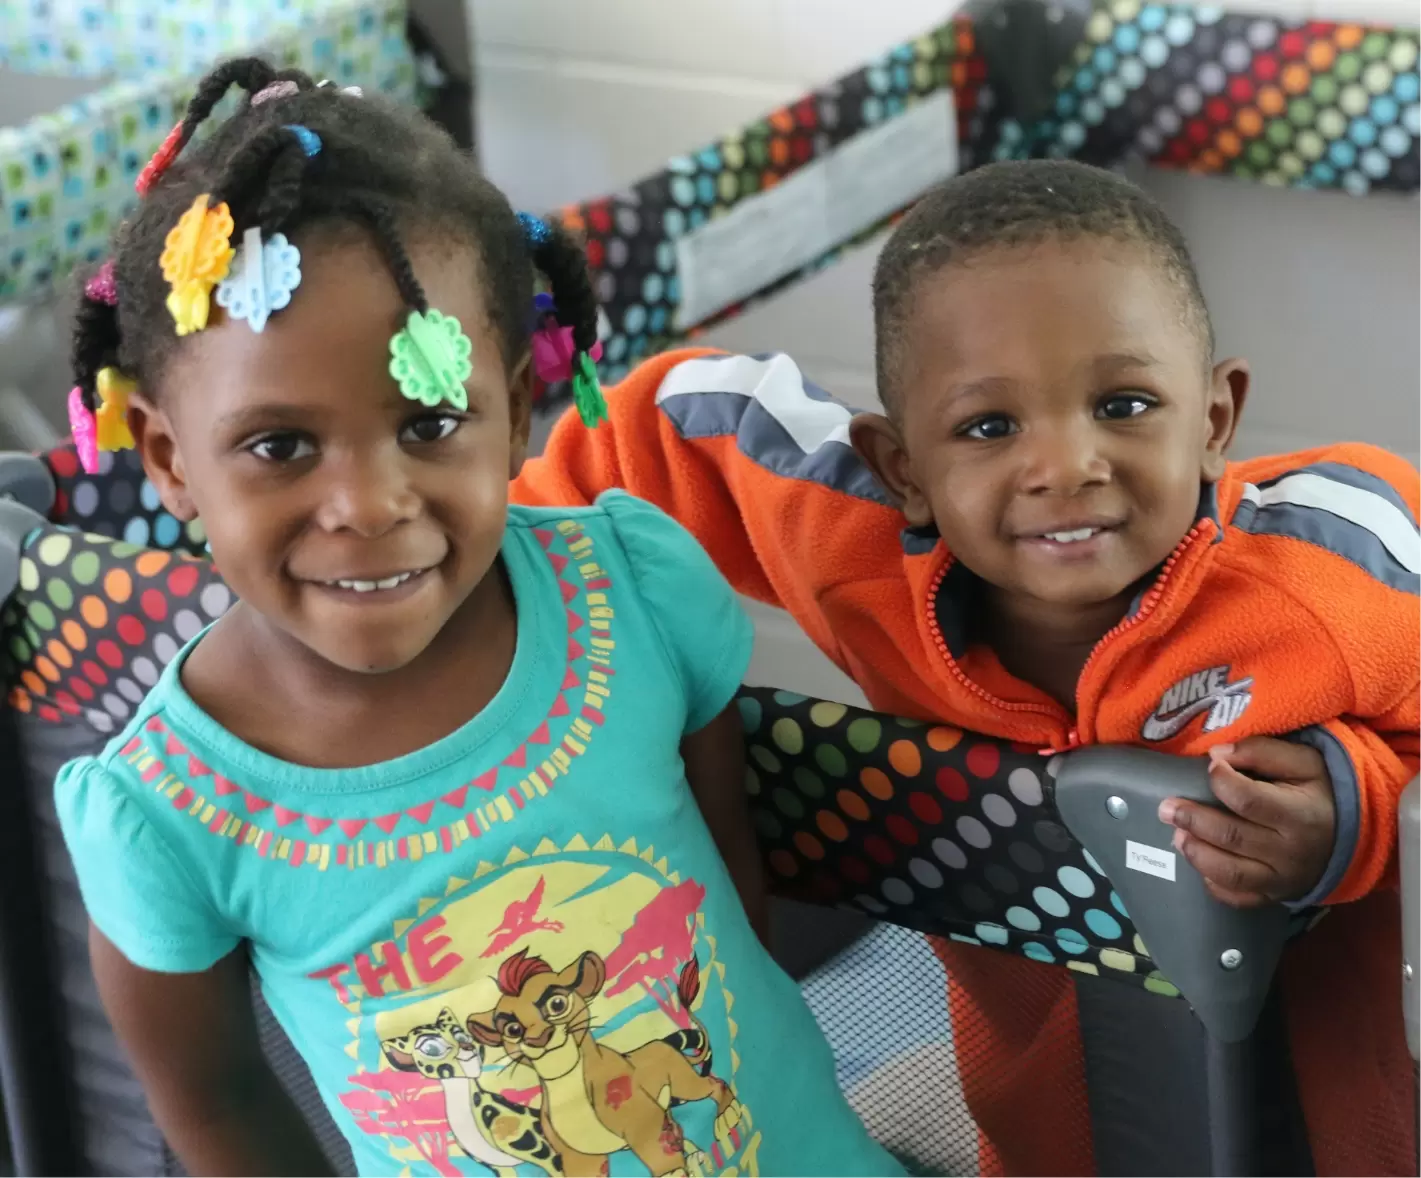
{"x": 1072, "y": 537}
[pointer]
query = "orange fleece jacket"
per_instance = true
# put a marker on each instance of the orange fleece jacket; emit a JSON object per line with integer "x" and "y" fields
{"x": 1291, "y": 607}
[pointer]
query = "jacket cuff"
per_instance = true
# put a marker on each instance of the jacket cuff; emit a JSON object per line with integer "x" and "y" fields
{"x": 1347, "y": 802}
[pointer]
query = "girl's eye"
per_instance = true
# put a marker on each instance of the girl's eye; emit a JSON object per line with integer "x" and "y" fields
{"x": 282, "y": 448}
{"x": 430, "y": 427}
{"x": 1125, "y": 405}
{"x": 989, "y": 428}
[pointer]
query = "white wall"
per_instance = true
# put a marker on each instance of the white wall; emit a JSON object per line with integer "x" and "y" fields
{"x": 1319, "y": 290}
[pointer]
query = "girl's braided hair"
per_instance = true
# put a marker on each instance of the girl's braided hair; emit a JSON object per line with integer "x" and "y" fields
{"x": 381, "y": 166}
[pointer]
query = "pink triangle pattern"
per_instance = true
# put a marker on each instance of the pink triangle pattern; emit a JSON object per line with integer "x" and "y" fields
{"x": 570, "y": 706}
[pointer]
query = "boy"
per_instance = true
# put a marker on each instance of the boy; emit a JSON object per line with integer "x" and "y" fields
{"x": 1080, "y": 563}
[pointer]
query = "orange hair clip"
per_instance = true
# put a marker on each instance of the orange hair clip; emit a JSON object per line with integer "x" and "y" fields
{"x": 196, "y": 256}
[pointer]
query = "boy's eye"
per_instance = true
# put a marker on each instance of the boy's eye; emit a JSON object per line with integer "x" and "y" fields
{"x": 430, "y": 427}
{"x": 1123, "y": 405}
{"x": 989, "y": 428}
{"x": 282, "y": 447}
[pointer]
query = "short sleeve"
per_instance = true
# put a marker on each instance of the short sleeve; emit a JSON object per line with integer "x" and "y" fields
{"x": 135, "y": 890}
{"x": 707, "y": 635}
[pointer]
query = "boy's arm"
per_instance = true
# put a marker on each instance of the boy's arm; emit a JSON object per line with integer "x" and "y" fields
{"x": 715, "y": 768}
{"x": 750, "y": 457}
{"x": 194, "y": 1043}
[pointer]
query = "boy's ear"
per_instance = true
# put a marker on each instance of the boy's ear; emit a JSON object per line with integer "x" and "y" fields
{"x": 1228, "y": 389}
{"x": 158, "y": 448}
{"x": 521, "y": 386}
{"x": 879, "y": 445}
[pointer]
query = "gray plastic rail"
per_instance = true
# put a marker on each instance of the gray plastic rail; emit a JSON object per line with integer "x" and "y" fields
{"x": 1409, "y": 833}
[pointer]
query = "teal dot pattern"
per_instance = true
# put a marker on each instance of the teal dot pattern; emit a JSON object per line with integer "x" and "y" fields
{"x": 66, "y": 177}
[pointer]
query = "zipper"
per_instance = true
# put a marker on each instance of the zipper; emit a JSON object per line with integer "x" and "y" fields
{"x": 1147, "y": 605}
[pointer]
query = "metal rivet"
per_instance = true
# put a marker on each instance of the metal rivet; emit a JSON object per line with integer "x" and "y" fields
{"x": 1230, "y": 958}
{"x": 1407, "y": 973}
{"x": 1116, "y": 807}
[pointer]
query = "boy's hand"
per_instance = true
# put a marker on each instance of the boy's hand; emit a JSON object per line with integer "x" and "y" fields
{"x": 1275, "y": 837}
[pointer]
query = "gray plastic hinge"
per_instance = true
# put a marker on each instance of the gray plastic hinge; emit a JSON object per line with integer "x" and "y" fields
{"x": 26, "y": 479}
{"x": 1220, "y": 958}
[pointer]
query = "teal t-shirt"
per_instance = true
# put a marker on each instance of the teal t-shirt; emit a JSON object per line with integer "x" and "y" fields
{"x": 516, "y": 949}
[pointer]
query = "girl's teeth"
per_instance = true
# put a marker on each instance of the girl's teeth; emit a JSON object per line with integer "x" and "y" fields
{"x": 371, "y": 586}
{"x": 1072, "y": 537}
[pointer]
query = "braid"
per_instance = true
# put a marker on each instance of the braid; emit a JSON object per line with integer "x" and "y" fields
{"x": 564, "y": 263}
{"x": 381, "y": 222}
{"x": 250, "y": 73}
{"x": 272, "y": 162}
{"x": 382, "y": 166}
{"x": 94, "y": 344}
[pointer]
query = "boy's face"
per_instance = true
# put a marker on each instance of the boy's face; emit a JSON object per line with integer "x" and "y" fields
{"x": 1057, "y": 417}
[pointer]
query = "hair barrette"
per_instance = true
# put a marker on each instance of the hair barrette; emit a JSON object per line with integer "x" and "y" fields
{"x": 196, "y": 256}
{"x": 262, "y": 278}
{"x": 535, "y": 230}
{"x": 111, "y": 430}
{"x": 310, "y": 142}
{"x": 162, "y": 160}
{"x": 282, "y": 89}
{"x": 429, "y": 359}
{"x": 84, "y": 430}
{"x": 554, "y": 352}
{"x": 101, "y": 288}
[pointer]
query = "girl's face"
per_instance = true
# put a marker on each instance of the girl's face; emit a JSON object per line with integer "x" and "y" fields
{"x": 345, "y": 515}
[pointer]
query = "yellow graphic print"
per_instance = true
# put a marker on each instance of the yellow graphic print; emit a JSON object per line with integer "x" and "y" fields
{"x": 561, "y": 1013}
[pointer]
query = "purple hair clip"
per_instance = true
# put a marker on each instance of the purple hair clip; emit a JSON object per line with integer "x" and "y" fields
{"x": 282, "y": 89}
{"x": 102, "y": 288}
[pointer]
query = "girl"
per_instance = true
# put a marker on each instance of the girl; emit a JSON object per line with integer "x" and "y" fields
{"x": 478, "y": 760}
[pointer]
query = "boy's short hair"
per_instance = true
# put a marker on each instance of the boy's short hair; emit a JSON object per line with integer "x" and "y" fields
{"x": 1012, "y": 204}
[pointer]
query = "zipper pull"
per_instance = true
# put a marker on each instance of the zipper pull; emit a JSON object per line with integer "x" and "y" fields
{"x": 1073, "y": 741}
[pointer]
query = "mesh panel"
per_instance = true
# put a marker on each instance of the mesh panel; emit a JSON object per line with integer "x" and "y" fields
{"x": 990, "y": 1081}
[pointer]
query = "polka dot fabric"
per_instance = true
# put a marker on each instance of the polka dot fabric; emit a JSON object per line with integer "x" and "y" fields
{"x": 119, "y": 502}
{"x": 932, "y": 828}
{"x": 1312, "y": 104}
{"x": 95, "y": 620}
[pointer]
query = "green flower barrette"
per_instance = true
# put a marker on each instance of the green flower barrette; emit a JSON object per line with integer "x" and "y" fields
{"x": 429, "y": 359}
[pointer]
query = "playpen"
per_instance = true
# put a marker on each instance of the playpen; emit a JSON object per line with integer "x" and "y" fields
{"x": 886, "y": 838}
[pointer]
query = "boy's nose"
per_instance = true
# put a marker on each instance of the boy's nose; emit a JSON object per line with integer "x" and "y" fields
{"x": 1062, "y": 461}
{"x": 367, "y": 496}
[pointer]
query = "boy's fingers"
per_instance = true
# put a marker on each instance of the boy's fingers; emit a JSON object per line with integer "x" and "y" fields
{"x": 1226, "y": 872}
{"x": 1224, "y": 830}
{"x": 1259, "y": 802}
{"x": 1272, "y": 759}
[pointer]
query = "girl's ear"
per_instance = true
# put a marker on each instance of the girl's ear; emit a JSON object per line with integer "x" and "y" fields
{"x": 158, "y": 448}
{"x": 520, "y": 414}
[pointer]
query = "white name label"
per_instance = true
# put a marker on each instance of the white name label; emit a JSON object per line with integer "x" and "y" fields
{"x": 1150, "y": 860}
{"x": 823, "y": 204}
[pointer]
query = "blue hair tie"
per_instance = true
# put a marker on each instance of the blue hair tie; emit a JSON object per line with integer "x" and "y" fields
{"x": 309, "y": 140}
{"x": 535, "y": 230}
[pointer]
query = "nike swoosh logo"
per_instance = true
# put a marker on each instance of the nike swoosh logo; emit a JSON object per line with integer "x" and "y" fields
{"x": 1157, "y": 728}
{"x": 1163, "y": 727}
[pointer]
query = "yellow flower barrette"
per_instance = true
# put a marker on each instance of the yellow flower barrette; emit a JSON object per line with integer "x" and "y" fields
{"x": 111, "y": 420}
{"x": 196, "y": 257}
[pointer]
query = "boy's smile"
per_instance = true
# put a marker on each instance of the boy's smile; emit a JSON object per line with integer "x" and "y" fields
{"x": 1057, "y": 416}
